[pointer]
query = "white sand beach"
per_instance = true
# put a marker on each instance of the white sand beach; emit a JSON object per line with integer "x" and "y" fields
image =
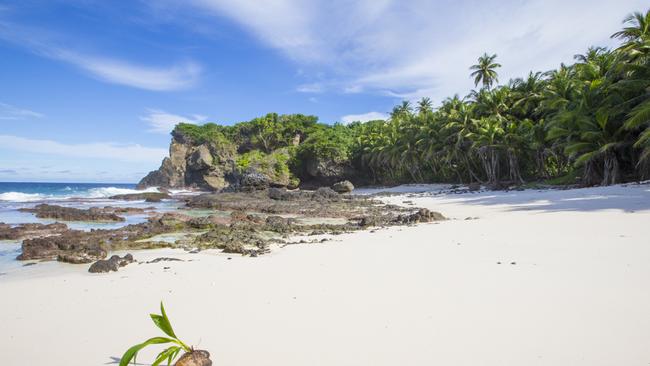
{"x": 572, "y": 288}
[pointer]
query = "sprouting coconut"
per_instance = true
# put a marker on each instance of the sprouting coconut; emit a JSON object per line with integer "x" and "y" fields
{"x": 195, "y": 358}
{"x": 191, "y": 357}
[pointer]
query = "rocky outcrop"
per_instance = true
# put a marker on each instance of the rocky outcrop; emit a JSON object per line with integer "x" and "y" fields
{"x": 27, "y": 231}
{"x": 110, "y": 265}
{"x": 146, "y": 196}
{"x": 343, "y": 187}
{"x": 325, "y": 172}
{"x": 75, "y": 242}
{"x": 45, "y": 211}
{"x": 207, "y": 166}
{"x": 422, "y": 215}
{"x": 215, "y": 163}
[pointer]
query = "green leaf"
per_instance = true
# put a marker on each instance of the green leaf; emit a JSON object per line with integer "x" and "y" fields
{"x": 162, "y": 322}
{"x": 639, "y": 116}
{"x": 584, "y": 158}
{"x": 166, "y": 355}
{"x": 133, "y": 351}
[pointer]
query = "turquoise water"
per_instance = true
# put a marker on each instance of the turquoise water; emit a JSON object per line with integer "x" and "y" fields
{"x": 14, "y": 196}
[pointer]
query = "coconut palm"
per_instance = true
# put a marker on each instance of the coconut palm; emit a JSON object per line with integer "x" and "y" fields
{"x": 485, "y": 71}
{"x": 425, "y": 106}
{"x": 636, "y": 35}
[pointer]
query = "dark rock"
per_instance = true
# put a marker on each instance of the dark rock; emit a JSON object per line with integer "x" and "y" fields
{"x": 207, "y": 221}
{"x": 75, "y": 242}
{"x": 146, "y": 196}
{"x": 326, "y": 171}
{"x": 324, "y": 194}
{"x": 422, "y": 215}
{"x": 373, "y": 221}
{"x": 474, "y": 186}
{"x": 84, "y": 257}
{"x": 45, "y": 211}
{"x": 110, "y": 265}
{"x": 195, "y": 358}
{"x": 279, "y": 224}
{"x": 28, "y": 231}
{"x": 253, "y": 180}
{"x": 242, "y": 216}
{"x": 98, "y": 241}
{"x": 343, "y": 187}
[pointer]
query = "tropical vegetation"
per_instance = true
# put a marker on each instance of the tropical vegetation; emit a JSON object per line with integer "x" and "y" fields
{"x": 587, "y": 122}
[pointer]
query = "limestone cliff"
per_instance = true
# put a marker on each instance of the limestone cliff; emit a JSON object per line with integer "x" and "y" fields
{"x": 210, "y": 165}
{"x": 205, "y": 158}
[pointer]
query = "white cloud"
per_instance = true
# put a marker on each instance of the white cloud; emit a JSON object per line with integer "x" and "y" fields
{"x": 97, "y": 150}
{"x": 409, "y": 49}
{"x": 365, "y": 117}
{"x": 10, "y": 112}
{"x": 310, "y": 88}
{"x": 181, "y": 75}
{"x": 175, "y": 77}
{"x": 162, "y": 122}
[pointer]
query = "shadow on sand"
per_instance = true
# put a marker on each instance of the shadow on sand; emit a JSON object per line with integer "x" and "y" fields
{"x": 629, "y": 198}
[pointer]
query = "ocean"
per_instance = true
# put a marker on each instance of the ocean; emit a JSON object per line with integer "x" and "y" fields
{"x": 29, "y": 192}
{"x": 14, "y": 196}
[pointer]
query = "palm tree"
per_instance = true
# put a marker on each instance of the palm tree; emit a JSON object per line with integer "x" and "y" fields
{"x": 425, "y": 106}
{"x": 487, "y": 144}
{"x": 401, "y": 110}
{"x": 637, "y": 34}
{"x": 485, "y": 71}
{"x": 636, "y": 53}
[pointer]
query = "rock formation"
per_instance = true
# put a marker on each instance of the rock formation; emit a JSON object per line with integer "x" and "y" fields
{"x": 343, "y": 187}
{"x": 45, "y": 211}
{"x": 110, "y": 265}
{"x": 209, "y": 165}
{"x": 218, "y": 164}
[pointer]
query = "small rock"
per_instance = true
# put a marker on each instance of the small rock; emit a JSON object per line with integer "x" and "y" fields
{"x": 164, "y": 259}
{"x": 111, "y": 264}
{"x": 343, "y": 187}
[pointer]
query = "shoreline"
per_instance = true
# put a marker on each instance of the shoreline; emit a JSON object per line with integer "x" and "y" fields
{"x": 424, "y": 294}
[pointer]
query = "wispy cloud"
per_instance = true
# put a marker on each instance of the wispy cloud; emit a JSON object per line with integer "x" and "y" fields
{"x": 10, "y": 112}
{"x": 407, "y": 49}
{"x": 181, "y": 75}
{"x": 310, "y": 88}
{"x": 100, "y": 150}
{"x": 365, "y": 117}
{"x": 162, "y": 122}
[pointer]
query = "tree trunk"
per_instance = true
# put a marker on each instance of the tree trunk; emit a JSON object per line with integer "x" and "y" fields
{"x": 513, "y": 165}
{"x": 611, "y": 171}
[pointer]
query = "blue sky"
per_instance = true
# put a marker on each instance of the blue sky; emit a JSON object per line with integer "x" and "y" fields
{"x": 90, "y": 89}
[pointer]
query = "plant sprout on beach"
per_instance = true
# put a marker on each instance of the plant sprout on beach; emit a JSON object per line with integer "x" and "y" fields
{"x": 168, "y": 354}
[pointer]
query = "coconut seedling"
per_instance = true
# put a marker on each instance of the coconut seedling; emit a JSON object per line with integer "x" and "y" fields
{"x": 191, "y": 357}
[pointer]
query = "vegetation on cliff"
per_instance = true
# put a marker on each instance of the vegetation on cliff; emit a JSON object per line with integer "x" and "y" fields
{"x": 588, "y": 122}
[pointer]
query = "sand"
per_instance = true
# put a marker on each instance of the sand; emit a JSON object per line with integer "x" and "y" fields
{"x": 577, "y": 293}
